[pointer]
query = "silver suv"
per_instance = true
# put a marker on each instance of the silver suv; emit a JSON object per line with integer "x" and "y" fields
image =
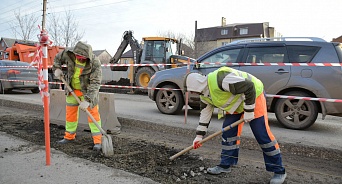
{"x": 278, "y": 79}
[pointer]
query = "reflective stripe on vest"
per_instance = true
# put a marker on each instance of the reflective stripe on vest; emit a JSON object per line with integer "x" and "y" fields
{"x": 225, "y": 100}
{"x": 75, "y": 82}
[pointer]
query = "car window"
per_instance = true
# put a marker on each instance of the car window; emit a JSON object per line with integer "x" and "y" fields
{"x": 339, "y": 51}
{"x": 266, "y": 55}
{"x": 301, "y": 54}
{"x": 225, "y": 56}
{"x": 16, "y": 64}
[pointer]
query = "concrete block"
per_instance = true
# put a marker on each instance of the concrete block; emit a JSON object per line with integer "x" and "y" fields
{"x": 109, "y": 119}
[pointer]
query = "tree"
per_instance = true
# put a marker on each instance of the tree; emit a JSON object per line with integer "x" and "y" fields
{"x": 188, "y": 44}
{"x": 64, "y": 31}
{"x": 193, "y": 46}
{"x": 24, "y": 27}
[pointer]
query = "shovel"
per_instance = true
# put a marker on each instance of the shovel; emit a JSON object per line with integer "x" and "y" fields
{"x": 207, "y": 138}
{"x": 107, "y": 143}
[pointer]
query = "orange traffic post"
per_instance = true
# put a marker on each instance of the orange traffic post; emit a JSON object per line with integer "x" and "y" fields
{"x": 44, "y": 41}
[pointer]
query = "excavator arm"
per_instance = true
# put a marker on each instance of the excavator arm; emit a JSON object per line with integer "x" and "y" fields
{"x": 128, "y": 38}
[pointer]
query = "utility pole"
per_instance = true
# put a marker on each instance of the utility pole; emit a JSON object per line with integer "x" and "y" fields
{"x": 44, "y": 42}
{"x": 44, "y": 14}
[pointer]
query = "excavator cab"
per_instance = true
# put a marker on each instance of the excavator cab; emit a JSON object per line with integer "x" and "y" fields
{"x": 158, "y": 50}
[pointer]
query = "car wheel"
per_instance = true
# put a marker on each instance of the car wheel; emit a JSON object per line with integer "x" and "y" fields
{"x": 169, "y": 101}
{"x": 1, "y": 88}
{"x": 35, "y": 90}
{"x": 296, "y": 114}
{"x": 143, "y": 76}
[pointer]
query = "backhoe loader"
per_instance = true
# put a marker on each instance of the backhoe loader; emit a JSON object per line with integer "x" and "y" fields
{"x": 154, "y": 50}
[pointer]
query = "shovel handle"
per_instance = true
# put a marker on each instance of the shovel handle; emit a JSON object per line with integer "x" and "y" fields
{"x": 79, "y": 102}
{"x": 207, "y": 138}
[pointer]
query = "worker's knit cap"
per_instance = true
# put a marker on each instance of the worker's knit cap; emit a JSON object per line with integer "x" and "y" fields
{"x": 196, "y": 82}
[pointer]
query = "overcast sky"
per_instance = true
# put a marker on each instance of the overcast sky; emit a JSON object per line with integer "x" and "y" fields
{"x": 104, "y": 21}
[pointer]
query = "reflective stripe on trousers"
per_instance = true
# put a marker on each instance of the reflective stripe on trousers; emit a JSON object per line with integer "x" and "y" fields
{"x": 72, "y": 115}
{"x": 262, "y": 133}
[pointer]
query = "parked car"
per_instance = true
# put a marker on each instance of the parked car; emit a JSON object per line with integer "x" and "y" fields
{"x": 289, "y": 80}
{"x": 26, "y": 76}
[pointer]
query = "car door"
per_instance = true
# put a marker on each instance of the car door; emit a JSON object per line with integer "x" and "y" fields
{"x": 274, "y": 77}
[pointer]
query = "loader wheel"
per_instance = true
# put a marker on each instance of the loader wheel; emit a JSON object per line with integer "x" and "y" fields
{"x": 143, "y": 76}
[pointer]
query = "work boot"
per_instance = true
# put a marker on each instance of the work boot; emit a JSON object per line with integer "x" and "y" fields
{"x": 97, "y": 147}
{"x": 278, "y": 178}
{"x": 65, "y": 141}
{"x": 218, "y": 170}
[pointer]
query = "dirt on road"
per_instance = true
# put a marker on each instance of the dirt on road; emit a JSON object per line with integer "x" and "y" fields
{"x": 144, "y": 148}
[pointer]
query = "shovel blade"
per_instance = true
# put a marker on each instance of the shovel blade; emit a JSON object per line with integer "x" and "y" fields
{"x": 107, "y": 145}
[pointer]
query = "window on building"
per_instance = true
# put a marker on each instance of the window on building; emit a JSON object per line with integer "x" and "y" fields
{"x": 225, "y": 43}
{"x": 224, "y": 31}
{"x": 243, "y": 31}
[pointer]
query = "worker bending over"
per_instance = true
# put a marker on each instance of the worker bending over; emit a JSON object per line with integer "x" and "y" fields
{"x": 240, "y": 95}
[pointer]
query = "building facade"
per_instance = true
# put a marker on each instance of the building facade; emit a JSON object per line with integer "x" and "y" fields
{"x": 209, "y": 38}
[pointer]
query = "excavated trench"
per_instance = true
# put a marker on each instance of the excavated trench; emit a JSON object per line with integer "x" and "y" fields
{"x": 144, "y": 148}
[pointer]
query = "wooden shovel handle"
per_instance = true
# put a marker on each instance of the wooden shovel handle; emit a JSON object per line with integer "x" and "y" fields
{"x": 207, "y": 138}
{"x": 79, "y": 102}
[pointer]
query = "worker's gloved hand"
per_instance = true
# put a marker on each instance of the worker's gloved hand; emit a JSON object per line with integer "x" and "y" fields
{"x": 84, "y": 105}
{"x": 58, "y": 73}
{"x": 248, "y": 116}
{"x": 195, "y": 143}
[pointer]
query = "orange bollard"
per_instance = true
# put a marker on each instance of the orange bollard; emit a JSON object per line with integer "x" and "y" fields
{"x": 44, "y": 40}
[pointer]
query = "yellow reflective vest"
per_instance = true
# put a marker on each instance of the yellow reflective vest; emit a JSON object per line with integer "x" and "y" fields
{"x": 225, "y": 100}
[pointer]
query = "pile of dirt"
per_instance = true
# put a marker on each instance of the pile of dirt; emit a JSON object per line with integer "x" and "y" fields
{"x": 149, "y": 157}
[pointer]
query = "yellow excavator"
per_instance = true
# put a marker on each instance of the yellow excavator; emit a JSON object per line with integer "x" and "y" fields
{"x": 166, "y": 52}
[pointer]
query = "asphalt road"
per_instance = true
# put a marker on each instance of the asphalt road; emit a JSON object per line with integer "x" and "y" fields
{"x": 324, "y": 133}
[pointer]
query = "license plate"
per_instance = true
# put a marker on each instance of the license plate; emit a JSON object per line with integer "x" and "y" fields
{"x": 30, "y": 83}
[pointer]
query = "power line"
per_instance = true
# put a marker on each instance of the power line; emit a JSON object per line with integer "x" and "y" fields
{"x": 14, "y": 19}
{"x": 4, "y": 13}
{"x": 21, "y": 12}
{"x": 75, "y": 9}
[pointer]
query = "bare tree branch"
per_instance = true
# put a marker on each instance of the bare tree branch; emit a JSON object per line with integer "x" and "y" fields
{"x": 64, "y": 31}
{"x": 24, "y": 26}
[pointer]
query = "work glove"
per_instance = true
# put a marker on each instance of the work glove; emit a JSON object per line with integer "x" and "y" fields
{"x": 84, "y": 105}
{"x": 248, "y": 116}
{"x": 58, "y": 73}
{"x": 195, "y": 143}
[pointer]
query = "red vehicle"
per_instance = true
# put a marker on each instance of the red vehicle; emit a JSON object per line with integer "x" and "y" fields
{"x": 25, "y": 52}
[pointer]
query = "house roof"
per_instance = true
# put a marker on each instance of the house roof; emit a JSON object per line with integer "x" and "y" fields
{"x": 338, "y": 39}
{"x": 99, "y": 52}
{"x": 128, "y": 54}
{"x": 10, "y": 41}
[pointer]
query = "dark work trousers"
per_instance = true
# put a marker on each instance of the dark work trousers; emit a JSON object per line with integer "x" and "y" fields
{"x": 263, "y": 135}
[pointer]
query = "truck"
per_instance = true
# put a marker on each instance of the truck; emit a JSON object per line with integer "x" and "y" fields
{"x": 157, "y": 53}
{"x": 23, "y": 52}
